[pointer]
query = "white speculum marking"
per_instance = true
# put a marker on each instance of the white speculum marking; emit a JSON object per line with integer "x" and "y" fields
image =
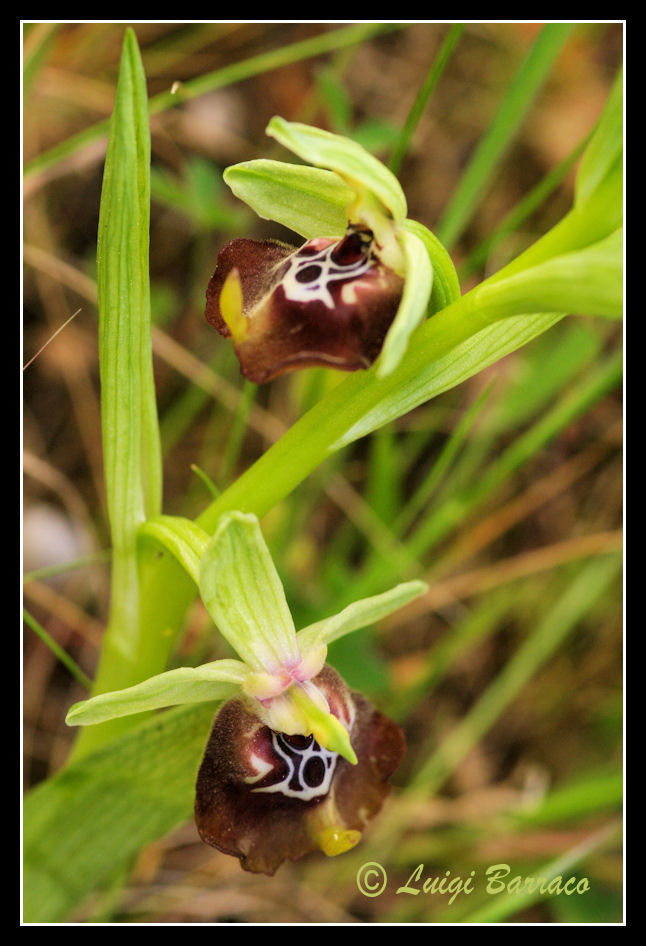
{"x": 309, "y": 769}
{"x": 328, "y": 271}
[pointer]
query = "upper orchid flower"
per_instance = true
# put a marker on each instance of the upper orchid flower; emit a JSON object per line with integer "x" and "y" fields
{"x": 296, "y": 761}
{"x": 354, "y": 291}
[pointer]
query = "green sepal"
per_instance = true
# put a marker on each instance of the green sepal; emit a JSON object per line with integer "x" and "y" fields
{"x": 244, "y": 595}
{"x": 181, "y": 537}
{"x": 309, "y": 201}
{"x": 214, "y": 681}
{"x": 414, "y": 302}
{"x": 362, "y": 171}
{"x": 446, "y": 285}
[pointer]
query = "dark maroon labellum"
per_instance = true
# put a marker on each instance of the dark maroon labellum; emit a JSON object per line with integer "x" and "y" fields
{"x": 267, "y": 797}
{"x": 331, "y": 302}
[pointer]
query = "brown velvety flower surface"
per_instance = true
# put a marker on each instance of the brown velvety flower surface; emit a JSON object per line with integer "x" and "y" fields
{"x": 265, "y": 797}
{"x": 330, "y": 303}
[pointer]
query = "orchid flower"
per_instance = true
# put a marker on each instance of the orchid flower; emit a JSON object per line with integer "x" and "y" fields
{"x": 295, "y": 760}
{"x": 354, "y": 292}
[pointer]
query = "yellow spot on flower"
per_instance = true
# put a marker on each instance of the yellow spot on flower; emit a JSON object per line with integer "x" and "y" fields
{"x": 231, "y": 306}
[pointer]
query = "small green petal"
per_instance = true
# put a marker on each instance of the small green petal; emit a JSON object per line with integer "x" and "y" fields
{"x": 243, "y": 593}
{"x": 359, "y": 614}
{"x": 214, "y": 681}
{"x": 354, "y": 164}
{"x": 328, "y": 731}
{"x": 309, "y": 201}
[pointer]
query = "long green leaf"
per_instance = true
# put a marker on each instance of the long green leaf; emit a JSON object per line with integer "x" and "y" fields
{"x": 131, "y": 448}
{"x": 92, "y": 818}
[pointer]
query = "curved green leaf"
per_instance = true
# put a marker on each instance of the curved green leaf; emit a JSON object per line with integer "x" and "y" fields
{"x": 588, "y": 281}
{"x": 605, "y": 147}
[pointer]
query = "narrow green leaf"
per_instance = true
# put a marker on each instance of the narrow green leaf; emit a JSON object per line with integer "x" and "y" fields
{"x": 129, "y": 417}
{"x": 446, "y": 366}
{"x": 38, "y": 39}
{"x": 56, "y": 649}
{"x": 359, "y": 614}
{"x": 583, "y": 795}
{"x": 528, "y": 204}
{"x": 423, "y": 97}
{"x": 219, "y": 680}
{"x": 605, "y": 147}
{"x": 445, "y": 350}
{"x": 499, "y": 908}
{"x": 588, "y": 281}
{"x": 131, "y": 447}
{"x": 243, "y": 593}
{"x": 591, "y": 581}
{"x": 309, "y": 201}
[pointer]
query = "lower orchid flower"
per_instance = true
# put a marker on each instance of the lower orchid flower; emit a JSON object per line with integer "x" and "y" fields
{"x": 354, "y": 292}
{"x": 296, "y": 761}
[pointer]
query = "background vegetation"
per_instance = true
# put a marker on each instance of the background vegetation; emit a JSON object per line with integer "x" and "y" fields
{"x": 504, "y": 493}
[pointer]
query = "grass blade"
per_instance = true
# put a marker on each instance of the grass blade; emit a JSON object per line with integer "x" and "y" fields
{"x": 499, "y": 135}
